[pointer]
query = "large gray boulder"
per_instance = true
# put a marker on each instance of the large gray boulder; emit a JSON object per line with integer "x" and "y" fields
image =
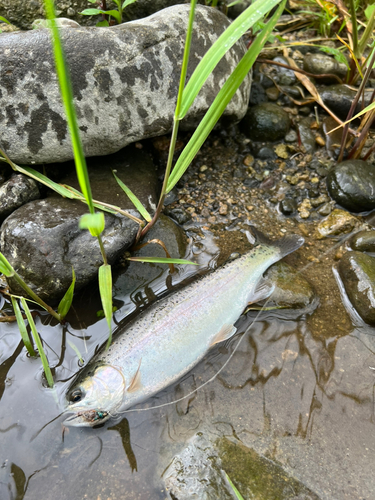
{"x": 125, "y": 80}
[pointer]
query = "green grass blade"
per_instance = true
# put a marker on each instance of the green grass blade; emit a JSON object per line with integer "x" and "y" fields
{"x": 113, "y": 13}
{"x": 105, "y": 289}
{"x": 92, "y": 12}
{"x": 38, "y": 342}
{"x": 132, "y": 197}
{"x": 237, "y": 493}
{"x": 5, "y": 267}
{"x": 126, "y": 3}
{"x": 67, "y": 97}
{"x": 95, "y": 223}
{"x": 6, "y": 20}
{"x": 162, "y": 260}
{"x": 67, "y": 300}
{"x": 222, "y": 99}
{"x": 58, "y": 188}
{"x": 22, "y": 327}
{"x": 76, "y": 350}
{"x": 215, "y": 53}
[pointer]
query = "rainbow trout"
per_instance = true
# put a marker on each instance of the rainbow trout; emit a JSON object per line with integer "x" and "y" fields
{"x": 172, "y": 336}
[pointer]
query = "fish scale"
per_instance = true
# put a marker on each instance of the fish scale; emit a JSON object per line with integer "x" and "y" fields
{"x": 163, "y": 343}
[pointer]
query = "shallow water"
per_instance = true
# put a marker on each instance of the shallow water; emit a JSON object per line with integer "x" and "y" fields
{"x": 295, "y": 394}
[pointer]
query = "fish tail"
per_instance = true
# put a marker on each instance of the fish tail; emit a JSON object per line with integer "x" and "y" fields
{"x": 286, "y": 245}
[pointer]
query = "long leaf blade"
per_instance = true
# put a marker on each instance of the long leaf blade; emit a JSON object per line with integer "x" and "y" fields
{"x": 215, "y": 53}
{"x": 67, "y": 300}
{"x": 105, "y": 289}
{"x": 133, "y": 198}
{"x": 22, "y": 327}
{"x": 67, "y": 98}
{"x": 5, "y": 267}
{"x": 222, "y": 99}
{"x": 38, "y": 342}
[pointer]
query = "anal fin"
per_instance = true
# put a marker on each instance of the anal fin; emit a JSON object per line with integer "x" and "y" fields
{"x": 135, "y": 383}
{"x": 225, "y": 333}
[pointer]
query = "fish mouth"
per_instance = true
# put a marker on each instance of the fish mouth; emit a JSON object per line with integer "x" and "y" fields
{"x": 89, "y": 418}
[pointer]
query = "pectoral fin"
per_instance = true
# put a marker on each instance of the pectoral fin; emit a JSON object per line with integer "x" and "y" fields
{"x": 226, "y": 332}
{"x": 262, "y": 291}
{"x": 135, "y": 383}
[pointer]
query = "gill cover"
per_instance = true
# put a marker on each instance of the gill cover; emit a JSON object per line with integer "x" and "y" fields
{"x": 96, "y": 397}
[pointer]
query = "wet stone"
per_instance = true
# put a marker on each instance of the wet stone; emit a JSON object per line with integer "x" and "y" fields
{"x": 15, "y": 192}
{"x": 292, "y": 290}
{"x": 42, "y": 241}
{"x": 180, "y": 215}
{"x": 173, "y": 237}
{"x": 288, "y": 206}
{"x": 306, "y": 135}
{"x": 352, "y": 185}
{"x": 291, "y": 136}
{"x": 118, "y": 100}
{"x": 257, "y": 94}
{"x": 325, "y": 209}
{"x": 196, "y": 473}
{"x": 319, "y": 64}
{"x": 133, "y": 166}
{"x": 266, "y": 122}
{"x": 337, "y": 223}
{"x": 357, "y": 271}
{"x": 364, "y": 241}
{"x": 285, "y": 76}
{"x": 258, "y": 477}
{"x": 339, "y": 98}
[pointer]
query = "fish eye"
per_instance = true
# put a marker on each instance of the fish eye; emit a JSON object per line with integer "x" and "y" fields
{"x": 76, "y": 396}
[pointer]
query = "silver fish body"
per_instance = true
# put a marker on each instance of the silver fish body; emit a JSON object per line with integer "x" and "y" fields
{"x": 172, "y": 336}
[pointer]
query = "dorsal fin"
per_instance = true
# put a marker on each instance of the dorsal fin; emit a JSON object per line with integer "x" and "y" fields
{"x": 135, "y": 383}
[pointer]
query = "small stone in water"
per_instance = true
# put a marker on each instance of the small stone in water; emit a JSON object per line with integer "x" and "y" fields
{"x": 304, "y": 209}
{"x": 338, "y": 222}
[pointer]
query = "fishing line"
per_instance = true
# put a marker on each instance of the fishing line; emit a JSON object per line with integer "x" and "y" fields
{"x": 341, "y": 242}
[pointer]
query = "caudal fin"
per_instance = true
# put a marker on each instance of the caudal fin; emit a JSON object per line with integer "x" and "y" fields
{"x": 286, "y": 245}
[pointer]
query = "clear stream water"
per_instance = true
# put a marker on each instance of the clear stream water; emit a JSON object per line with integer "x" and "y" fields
{"x": 293, "y": 392}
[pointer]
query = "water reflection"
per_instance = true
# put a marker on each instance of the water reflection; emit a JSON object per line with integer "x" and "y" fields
{"x": 299, "y": 397}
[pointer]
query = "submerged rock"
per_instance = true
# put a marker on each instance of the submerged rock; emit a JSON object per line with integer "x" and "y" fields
{"x": 125, "y": 80}
{"x": 196, "y": 473}
{"x": 42, "y": 241}
{"x": 15, "y": 192}
{"x": 338, "y": 222}
{"x": 266, "y": 122}
{"x": 364, "y": 241}
{"x": 357, "y": 271}
{"x": 352, "y": 184}
{"x": 292, "y": 290}
{"x": 319, "y": 64}
{"x": 257, "y": 476}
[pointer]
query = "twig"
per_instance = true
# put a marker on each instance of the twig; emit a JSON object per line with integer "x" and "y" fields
{"x": 324, "y": 75}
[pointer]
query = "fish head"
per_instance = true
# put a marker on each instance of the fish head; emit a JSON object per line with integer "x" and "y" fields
{"x": 95, "y": 397}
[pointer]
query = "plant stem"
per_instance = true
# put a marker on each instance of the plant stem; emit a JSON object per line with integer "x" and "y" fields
{"x": 354, "y": 105}
{"x": 102, "y": 250}
{"x": 34, "y": 296}
{"x": 355, "y": 28}
{"x": 176, "y": 120}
